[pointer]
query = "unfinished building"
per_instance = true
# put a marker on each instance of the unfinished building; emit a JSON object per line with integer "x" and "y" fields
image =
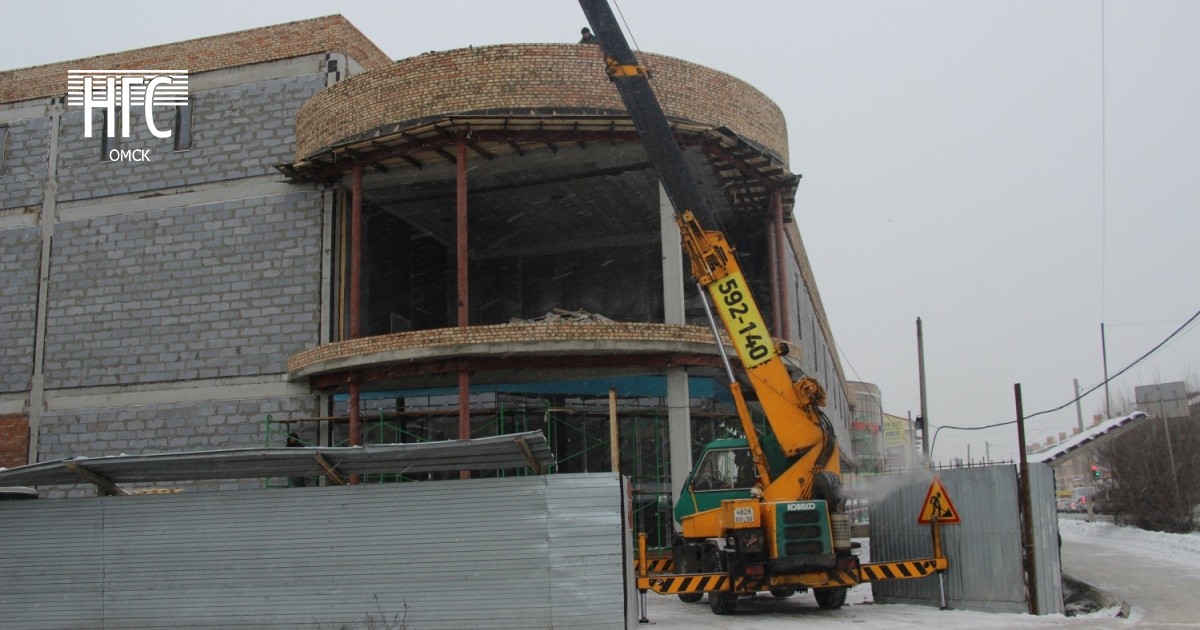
{"x": 346, "y": 249}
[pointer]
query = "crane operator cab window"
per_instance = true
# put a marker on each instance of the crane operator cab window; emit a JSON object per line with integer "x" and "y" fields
{"x": 725, "y": 469}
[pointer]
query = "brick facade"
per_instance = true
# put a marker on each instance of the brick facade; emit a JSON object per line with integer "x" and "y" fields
{"x": 284, "y": 41}
{"x": 237, "y": 132}
{"x": 530, "y": 80}
{"x": 14, "y": 440}
{"x": 26, "y": 158}
{"x": 19, "y": 254}
{"x": 220, "y": 290}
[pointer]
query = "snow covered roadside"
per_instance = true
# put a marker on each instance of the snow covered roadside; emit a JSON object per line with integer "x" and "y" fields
{"x": 767, "y": 613}
{"x": 1179, "y": 549}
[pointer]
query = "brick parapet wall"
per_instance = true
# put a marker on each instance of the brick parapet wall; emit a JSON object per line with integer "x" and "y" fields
{"x": 295, "y": 39}
{"x": 530, "y": 334}
{"x": 14, "y": 440}
{"x": 531, "y": 80}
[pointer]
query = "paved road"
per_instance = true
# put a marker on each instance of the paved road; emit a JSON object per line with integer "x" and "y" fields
{"x": 1163, "y": 593}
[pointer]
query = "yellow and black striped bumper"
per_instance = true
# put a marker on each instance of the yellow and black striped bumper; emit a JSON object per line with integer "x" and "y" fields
{"x": 698, "y": 583}
{"x": 880, "y": 571}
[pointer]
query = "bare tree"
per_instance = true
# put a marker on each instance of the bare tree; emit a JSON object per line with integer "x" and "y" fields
{"x": 1138, "y": 485}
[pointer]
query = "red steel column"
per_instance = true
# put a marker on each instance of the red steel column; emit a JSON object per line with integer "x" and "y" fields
{"x": 356, "y": 229}
{"x": 464, "y": 377}
{"x": 356, "y": 253}
{"x": 773, "y": 277}
{"x": 785, "y": 329}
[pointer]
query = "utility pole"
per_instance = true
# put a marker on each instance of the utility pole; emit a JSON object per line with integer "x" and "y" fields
{"x": 1104, "y": 355}
{"x": 1078, "y": 407}
{"x": 1162, "y": 411}
{"x": 924, "y": 407}
{"x": 1024, "y": 498}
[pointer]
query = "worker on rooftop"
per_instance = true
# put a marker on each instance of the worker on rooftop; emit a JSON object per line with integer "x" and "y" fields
{"x": 586, "y": 36}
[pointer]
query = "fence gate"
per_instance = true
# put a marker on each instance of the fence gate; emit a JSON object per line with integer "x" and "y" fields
{"x": 984, "y": 550}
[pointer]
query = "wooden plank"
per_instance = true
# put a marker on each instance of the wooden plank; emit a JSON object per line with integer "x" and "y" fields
{"x": 103, "y": 485}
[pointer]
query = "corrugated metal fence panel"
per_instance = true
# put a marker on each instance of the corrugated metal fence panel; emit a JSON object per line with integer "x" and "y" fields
{"x": 45, "y": 545}
{"x": 583, "y": 542}
{"x": 452, "y": 554}
{"x": 1046, "y": 546}
{"x": 984, "y": 550}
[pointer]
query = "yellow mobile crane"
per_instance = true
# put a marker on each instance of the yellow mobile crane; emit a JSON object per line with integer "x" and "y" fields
{"x": 763, "y": 513}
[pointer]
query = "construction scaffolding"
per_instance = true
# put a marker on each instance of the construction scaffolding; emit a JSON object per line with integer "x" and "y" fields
{"x": 576, "y": 423}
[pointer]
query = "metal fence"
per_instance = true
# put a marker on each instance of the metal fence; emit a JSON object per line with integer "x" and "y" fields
{"x": 984, "y": 550}
{"x": 515, "y": 552}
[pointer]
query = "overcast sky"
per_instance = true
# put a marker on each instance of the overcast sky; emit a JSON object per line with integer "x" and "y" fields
{"x": 1012, "y": 172}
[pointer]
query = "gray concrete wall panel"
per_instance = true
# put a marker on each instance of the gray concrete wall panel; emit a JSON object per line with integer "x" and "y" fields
{"x": 219, "y": 290}
{"x": 19, "y": 249}
{"x": 237, "y": 132}
{"x": 984, "y": 550}
{"x": 483, "y": 553}
{"x": 26, "y": 161}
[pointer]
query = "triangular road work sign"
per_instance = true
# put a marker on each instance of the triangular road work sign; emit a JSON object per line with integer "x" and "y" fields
{"x": 937, "y": 502}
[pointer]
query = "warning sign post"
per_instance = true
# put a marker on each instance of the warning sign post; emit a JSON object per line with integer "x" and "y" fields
{"x": 937, "y": 503}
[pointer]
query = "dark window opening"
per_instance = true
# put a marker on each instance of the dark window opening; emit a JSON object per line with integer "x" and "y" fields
{"x": 108, "y": 143}
{"x": 183, "y": 126}
{"x": 3, "y": 149}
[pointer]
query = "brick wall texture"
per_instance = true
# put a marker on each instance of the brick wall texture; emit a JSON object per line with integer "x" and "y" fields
{"x": 23, "y": 166}
{"x": 166, "y": 429}
{"x": 219, "y": 290}
{"x": 505, "y": 333}
{"x": 19, "y": 253}
{"x": 530, "y": 80}
{"x": 237, "y": 132}
{"x": 284, "y": 41}
{"x": 14, "y": 440}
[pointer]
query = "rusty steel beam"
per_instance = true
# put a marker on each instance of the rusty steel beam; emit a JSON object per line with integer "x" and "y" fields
{"x": 461, "y": 245}
{"x": 356, "y": 228}
{"x": 784, "y": 331}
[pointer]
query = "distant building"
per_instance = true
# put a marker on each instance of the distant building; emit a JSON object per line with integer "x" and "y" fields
{"x": 899, "y": 443}
{"x": 866, "y": 427}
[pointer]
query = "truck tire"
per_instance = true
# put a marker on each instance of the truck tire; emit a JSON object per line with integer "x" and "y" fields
{"x": 783, "y": 593}
{"x": 827, "y": 486}
{"x": 720, "y": 602}
{"x": 684, "y": 563}
{"x": 830, "y": 598}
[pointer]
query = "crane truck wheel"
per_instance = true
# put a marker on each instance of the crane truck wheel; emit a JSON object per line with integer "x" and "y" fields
{"x": 783, "y": 593}
{"x": 830, "y": 598}
{"x": 685, "y": 562}
{"x": 721, "y": 602}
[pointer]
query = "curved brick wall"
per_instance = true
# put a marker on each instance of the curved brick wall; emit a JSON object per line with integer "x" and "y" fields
{"x": 508, "y": 340}
{"x": 456, "y": 340}
{"x": 531, "y": 80}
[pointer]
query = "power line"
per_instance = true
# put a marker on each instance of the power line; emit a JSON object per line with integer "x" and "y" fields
{"x": 1145, "y": 356}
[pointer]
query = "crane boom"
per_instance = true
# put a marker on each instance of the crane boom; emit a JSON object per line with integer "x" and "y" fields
{"x": 790, "y": 408}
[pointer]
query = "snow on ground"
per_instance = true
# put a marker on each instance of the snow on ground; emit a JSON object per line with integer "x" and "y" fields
{"x": 1183, "y": 549}
{"x": 860, "y": 611}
